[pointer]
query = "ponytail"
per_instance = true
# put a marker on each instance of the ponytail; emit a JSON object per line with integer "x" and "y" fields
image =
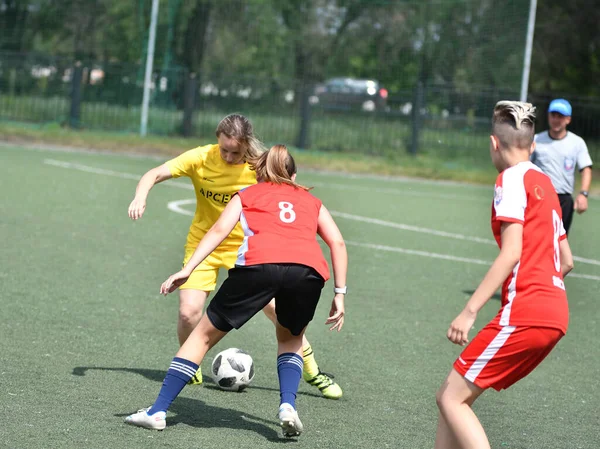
{"x": 276, "y": 166}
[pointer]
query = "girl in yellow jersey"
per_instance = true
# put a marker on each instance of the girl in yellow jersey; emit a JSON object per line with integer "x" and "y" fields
{"x": 217, "y": 172}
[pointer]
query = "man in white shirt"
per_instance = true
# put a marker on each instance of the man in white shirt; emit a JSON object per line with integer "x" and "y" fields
{"x": 557, "y": 152}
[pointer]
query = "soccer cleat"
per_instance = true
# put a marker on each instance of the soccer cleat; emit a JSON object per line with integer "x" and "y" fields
{"x": 196, "y": 378}
{"x": 157, "y": 421}
{"x": 289, "y": 421}
{"x": 324, "y": 382}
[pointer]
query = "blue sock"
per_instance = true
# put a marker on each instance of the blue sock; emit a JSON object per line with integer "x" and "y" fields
{"x": 179, "y": 374}
{"x": 289, "y": 370}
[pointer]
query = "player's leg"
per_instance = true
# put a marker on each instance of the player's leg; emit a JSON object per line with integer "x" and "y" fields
{"x": 444, "y": 438}
{"x": 496, "y": 358}
{"x": 289, "y": 371}
{"x": 182, "y": 369}
{"x": 191, "y": 307}
{"x": 311, "y": 372}
{"x": 566, "y": 204}
{"x": 243, "y": 294}
{"x": 458, "y": 425}
{"x": 295, "y": 304}
{"x": 201, "y": 340}
{"x": 192, "y": 298}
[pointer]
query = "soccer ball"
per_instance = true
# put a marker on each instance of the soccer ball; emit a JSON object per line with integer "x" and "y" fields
{"x": 233, "y": 369}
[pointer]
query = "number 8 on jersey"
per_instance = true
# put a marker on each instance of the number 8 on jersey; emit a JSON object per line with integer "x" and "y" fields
{"x": 286, "y": 214}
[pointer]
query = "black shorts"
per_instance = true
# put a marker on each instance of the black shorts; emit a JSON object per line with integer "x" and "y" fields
{"x": 248, "y": 289}
{"x": 566, "y": 204}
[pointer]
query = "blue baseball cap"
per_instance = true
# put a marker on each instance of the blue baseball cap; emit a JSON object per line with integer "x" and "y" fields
{"x": 561, "y": 106}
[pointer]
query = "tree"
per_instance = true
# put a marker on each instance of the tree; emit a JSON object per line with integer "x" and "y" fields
{"x": 566, "y": 52}
{"x": 15, "y": 23}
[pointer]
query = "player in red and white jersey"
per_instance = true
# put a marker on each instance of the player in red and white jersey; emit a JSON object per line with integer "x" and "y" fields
{"x": 533, "y": 260}
{"x": 280, "y": 225}
{"x": 279, "y": 258}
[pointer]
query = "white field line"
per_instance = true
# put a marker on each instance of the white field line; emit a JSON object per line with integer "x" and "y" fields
{"x": 448, "y": 257}
{"x": 394, "y": 178}
{"x": 584, "y": 260}
{"x": 50, "y": 148}
{"x": 405, "y": 227}
{"x": 111, "y": 153}
{"x": 388, "y": 178}
{"x": 405, "y": 192}
{"x": 174, "y": 206}
{"x": 413, "y": 252}
{"x": 116, "y": 174}
{"x": 402, "y": 192}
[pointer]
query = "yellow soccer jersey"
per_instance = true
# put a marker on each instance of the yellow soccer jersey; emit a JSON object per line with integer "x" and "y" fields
{"x": 215, "y": 182}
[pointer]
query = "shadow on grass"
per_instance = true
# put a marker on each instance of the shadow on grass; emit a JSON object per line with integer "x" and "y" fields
{"x": 197, "y": 413}
{"x": 497, "y": 296}
{"x": 158, "y": 376}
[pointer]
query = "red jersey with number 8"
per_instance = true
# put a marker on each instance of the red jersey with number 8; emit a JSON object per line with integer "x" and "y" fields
{"x": 534, "y": 293}
{"x": 280, "y": 226}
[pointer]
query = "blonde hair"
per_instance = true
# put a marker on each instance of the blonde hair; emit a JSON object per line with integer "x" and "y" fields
{"x": 238, "y": 127}
{"x": 277, "y": 166}
{"x": 513, "y": 123}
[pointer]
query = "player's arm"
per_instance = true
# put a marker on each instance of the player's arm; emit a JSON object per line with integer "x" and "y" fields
{"x": 586, "y": 178}
{"x": 150, "y": 178}
{"x": 584, "y": 162}
{"x": 581, "y": 202}
{"x": 510, "y": 253}
{"x": 213, "y": 238}
{"x": 332, "y": 236}
{"x": 566, "y": 257}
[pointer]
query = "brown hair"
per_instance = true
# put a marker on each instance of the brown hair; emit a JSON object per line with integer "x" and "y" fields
{"x": 513, "y": 123}
{"x": 238, "y": 127}
{"x": 277, "y": 166}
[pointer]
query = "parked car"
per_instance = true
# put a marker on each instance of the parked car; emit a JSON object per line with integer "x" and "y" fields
{"x": 350, "y": 94}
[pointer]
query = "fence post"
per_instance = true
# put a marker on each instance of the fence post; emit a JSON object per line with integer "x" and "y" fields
{"x": 189, "y": 103}
{"x": 12, "y": 81}
{"x": 303, "y": 135}
{"x": 75, "y": 115}
{"x": 416, "y": 118}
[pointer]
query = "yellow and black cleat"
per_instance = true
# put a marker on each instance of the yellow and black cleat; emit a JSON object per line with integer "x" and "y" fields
{"x": 324, "y": 382}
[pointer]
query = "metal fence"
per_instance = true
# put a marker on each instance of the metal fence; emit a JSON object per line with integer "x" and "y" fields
{"x": 335, "y": 115}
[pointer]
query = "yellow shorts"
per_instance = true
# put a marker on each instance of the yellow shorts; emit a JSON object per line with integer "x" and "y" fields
{"x": 204, "y": 277}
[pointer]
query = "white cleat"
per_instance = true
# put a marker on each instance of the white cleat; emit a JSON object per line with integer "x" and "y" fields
{"x": 157, "y": 421}
{"x": 289, "y": 421}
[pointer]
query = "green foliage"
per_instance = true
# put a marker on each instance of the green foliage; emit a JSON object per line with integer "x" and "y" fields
{"x": 452, "y": 43}
{"x": 567, "y": 47}
{"x": 263, "y": 55}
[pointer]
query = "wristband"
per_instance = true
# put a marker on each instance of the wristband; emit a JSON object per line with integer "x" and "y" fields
{"x": 341, "y": 290}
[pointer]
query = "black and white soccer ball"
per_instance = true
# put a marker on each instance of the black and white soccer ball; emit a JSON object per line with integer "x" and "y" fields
{"x": 233, "y": 369}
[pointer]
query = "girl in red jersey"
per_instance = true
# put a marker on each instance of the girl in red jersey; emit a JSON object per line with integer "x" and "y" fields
{"x": 534, "y": 257}
{"x": 279, "y": 258}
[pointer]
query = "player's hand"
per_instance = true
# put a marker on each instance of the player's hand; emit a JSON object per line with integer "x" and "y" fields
{"x": 137, "y": 208}
{"x": 581, "y": 204}
{"x": 460, "y": 327}
{"x": 336, "y": 314}
{"x": 174, "y": 282}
